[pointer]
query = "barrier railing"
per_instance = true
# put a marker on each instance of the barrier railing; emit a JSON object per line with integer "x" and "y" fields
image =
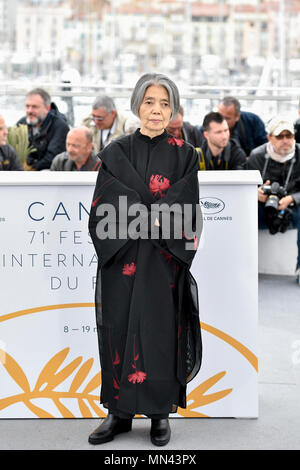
{"x": 196, "y": 100}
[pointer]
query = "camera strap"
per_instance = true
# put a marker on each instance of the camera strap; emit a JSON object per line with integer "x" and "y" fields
{"x": 267, "y": 157}
{"x": 201, "y": 158}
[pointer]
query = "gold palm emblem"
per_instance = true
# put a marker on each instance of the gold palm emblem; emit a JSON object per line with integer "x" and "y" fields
{"x": 47, "y": 382}
{"x": 50, "y": 378}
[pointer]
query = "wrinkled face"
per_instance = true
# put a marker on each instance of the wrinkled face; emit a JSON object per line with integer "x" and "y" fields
{"x": 174, "y": 126}
{"x": 3, "y": 131}
{"x": 217, "y": 134}
{"x": 77, "y": 145}
{"x": 155, "y": 111}
{"x": 282, "y": 143}
{"x": 229, "y": 113}
{"x": 103, "y": 119}
{"x": 36, "y": 110}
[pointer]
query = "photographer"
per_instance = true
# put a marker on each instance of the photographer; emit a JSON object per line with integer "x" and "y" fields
{"x": 279, "y": 164}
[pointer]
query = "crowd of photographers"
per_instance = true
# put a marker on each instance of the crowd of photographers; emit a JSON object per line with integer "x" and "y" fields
{"x": 228, "y": 139}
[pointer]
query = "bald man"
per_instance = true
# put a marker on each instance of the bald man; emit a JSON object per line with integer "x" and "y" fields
{"x": 79, "y": 154}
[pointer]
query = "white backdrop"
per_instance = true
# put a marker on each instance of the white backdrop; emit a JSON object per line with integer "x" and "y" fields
{"x": 49, "y": 364}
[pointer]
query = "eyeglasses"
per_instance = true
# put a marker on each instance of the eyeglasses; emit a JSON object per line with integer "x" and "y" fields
{"x": 282, "y": 136}
{"x": 97, "y": 118}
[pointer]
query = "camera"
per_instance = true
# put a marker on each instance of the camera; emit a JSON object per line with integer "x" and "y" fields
{"x": 277, "y": 220}
{"x": 275, "y": 193}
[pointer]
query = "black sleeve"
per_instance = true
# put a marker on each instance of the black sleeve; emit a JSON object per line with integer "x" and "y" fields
{"x": 57, "y": 144}
{"x": 238, "y": 157}
{"x": 15, "y": 164}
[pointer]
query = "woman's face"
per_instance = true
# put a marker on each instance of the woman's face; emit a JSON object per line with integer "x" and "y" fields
{"x": 155, "y": 111}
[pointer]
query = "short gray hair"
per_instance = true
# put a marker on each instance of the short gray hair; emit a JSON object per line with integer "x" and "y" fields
{"x": 42, "y": 93}
{"x": 155, "y": 79}
{"x": 231, "y": 100}
{"x": 106, "y": 102}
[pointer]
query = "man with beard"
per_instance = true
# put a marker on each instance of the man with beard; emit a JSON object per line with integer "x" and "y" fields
{"x": 218, "y": 151}
{"x": 47, "y": 129}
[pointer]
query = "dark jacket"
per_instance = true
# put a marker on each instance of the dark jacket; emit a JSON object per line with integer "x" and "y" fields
{"x": 297, "y": 131}
{"x": 62, "y": 162}
{"x": 191, "y": 134}
{"x": 232, "y": 157}
{"x": 9, "y": 160}
{"x": 276, "y": 171}
{"x": 49, "y": 141}
{"x": 249, "y": 131}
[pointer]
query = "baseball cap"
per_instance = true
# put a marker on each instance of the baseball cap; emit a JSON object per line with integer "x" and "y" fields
{"x": 278, "y": 124}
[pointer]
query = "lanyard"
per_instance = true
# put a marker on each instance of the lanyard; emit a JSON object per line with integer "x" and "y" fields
{"x": 201, "y": 160}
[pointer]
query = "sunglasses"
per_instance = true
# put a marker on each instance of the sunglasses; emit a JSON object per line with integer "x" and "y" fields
{"x": 96, "y": 118}
{"x": 282, "y": 136}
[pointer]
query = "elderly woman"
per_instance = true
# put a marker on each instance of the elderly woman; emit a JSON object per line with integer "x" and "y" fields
{"x": 146, "y": 299}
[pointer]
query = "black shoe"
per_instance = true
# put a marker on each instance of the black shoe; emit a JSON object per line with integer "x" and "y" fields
{"x": 160, "y": 432}
{"x": 107, "y": 430}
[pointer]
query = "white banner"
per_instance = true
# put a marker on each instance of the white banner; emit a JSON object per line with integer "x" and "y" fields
{"x": 49, "y": 365}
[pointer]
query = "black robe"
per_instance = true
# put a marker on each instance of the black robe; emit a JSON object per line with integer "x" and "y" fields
{"x": 146, "y": 299}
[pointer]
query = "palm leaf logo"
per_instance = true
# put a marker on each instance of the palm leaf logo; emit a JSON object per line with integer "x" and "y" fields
{"x": 198, "y": 397}
{"x": 47, "y": 382}
{"x": 55, "y": 373}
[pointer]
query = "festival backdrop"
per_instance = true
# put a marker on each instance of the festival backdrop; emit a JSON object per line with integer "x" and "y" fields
{"x": 49, "y": 365}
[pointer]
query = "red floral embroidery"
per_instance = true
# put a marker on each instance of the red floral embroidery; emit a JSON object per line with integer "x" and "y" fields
{"x": 116, "y": 385}
{"x": 138, "y": 376}
{"x": 129, "y": 269}
{"x": 117, "y": 359}
{"x": 115, "y": 362}
{"x": 176, "y": 141}
{"x": 158, "y": 184}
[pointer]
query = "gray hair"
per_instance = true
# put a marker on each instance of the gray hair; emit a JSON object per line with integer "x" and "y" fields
{"x": 229, "y": 101}
{"x": 106, "y": 102}
{"x": 156, "y": 79}
{"x": 42, "y": 93}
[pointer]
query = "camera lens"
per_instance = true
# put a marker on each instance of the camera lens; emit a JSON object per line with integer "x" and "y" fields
{"x": 272, "y": 203}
